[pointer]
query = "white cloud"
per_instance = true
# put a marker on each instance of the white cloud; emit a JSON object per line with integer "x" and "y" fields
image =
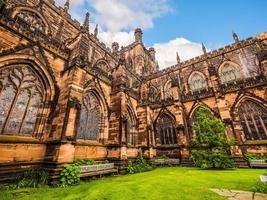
{"x": 123, "y": 38}
{"x": 116, "y": 16}
{"x": 166, "y": 52}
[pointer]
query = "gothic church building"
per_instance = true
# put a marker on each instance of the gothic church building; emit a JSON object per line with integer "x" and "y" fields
{"x": 65, "y": 95}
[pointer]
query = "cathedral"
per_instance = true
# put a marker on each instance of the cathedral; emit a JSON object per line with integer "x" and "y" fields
{"x": 65, "y": 95}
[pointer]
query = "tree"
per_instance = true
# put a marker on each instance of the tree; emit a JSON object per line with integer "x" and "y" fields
{"x": 213, "y": 148}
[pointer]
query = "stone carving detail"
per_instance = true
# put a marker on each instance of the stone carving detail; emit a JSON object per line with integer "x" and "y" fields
{"x": 253, "y": 119}
{"x": 21, "y": 99}
{"x": 33, "y": 20}
{"x": 90, "y": 119}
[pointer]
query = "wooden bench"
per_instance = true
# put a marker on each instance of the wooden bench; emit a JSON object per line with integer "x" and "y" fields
{"x": 97, "y": 170}
{"x": 258, "y": 164}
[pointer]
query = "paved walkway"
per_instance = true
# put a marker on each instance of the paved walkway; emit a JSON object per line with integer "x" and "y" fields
{"x": 240, "y": 195}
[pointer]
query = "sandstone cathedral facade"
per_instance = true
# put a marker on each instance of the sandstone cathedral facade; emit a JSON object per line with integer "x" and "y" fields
{"x": 65, "y": 95}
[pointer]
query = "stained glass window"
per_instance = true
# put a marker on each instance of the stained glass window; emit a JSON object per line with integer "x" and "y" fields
{"x": 21, "y": 99}
{"x": 253, "y": 117}
{"x": 166, "y": 131}
{"x": 90, "y": 119}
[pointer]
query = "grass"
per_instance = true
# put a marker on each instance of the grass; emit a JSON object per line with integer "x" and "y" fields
{"x": 163, "y": 183}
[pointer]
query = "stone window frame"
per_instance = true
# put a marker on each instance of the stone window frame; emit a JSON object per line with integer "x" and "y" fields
{"x": 42, "y": 129}
{"x": 237, "y": 68}
{"x": 194, "y": 73}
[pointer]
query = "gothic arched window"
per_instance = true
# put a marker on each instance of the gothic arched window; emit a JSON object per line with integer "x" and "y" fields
{"x": 253, "y": 118}
{"x": 197, "y": 82}
{"x": 153, "y": 94}
{"x": 33, "y": 20}
{"x": 168, "y": 91}
{"x": 166, "y": 129}
{"x": 229, "y": 73}
{"x": 90, "y": 118}
{"x": 103, "y": 65}
{"x": 21, "y": 100}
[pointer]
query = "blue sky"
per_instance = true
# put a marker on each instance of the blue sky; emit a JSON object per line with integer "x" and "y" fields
{"x": 210, "y": 21}
{"x": 172, "y": 26}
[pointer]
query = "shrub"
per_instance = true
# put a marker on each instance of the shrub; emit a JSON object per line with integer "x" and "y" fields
{"x": 207, "y": 160}
{"x": 84, "y": 161}
{"x": 71, "y": 172}
{"x": 210, "y": 138}
{"x": 163, "y": 157}
{"x": 260, "y": 187}
{"x": 140, "y": 165}
{"x": 32, "y": 178}
{"x": 70, "y": 175}
{"x": 254, "y": 156}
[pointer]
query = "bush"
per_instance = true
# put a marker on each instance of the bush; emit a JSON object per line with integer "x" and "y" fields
{"x": 260, "y": 187}
{"x": 210, "y": 138}
{"x": 140, "y": 165}
{"x": 71, "y": 172}
{"x": 163, "y": 157}
{"x": 32, "y": 178}
{"x": 84, "y": 162}
{"x": 70, "y": 175}
{"x": 254, "y": 156}
{"x": 207, "y": 160}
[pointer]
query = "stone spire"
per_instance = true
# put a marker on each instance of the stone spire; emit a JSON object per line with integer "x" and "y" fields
{"x": 235, "y": 36}
{"x": 67, "y": 5}
{"x": 204, "y": 49}
{"x": 138, "y": 35}
{"x": 96, "y": 31}
{"x": 178, "y": 58}
{"x": 86, "y": 22}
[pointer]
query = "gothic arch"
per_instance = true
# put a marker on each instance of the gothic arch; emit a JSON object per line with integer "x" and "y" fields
{"x": 165, "y": 127}
{"x": 27, "y": 90}
{"x": 229, "y": 71}
{"x": 153, "y": 94}
{"x": 250, "y": 112}
{"x": 93, "y": 120}
{"x": 195, "y": 107}
{"x": 168, "y": 90}
{"x": 103, "y": 64}
{"x": 197, "y": 81}
{"x": 131, "y": 126}
{"x": 33, "y": 12}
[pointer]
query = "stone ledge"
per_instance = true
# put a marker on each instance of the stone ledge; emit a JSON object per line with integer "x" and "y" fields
{"x": 19, "y": 139}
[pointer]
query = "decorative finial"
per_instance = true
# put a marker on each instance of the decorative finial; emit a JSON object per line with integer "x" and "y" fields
{"x": 204, "y": 48}
{"x": 86, "y": 22}
{"x": 96, "y": 30}
{"x": 178, "y": 58}
{"x": 235, "y": 36}
{"x": 67, "y": 5}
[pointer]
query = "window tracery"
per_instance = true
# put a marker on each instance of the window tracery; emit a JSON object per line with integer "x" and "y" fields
{"x": 21, "y": 99}
{"x": 90, "y": 119}
{"x": 168, "y": 91}
{"x": 229, "y": 73}
{"x": 253, "y": 118}
{"x": 153, "y": 94}
{"x": 197, "y": 82}
{"x": 166, "y": 130}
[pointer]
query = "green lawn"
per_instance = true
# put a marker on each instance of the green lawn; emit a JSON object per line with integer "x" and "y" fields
{"x": 162, "y": 183}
